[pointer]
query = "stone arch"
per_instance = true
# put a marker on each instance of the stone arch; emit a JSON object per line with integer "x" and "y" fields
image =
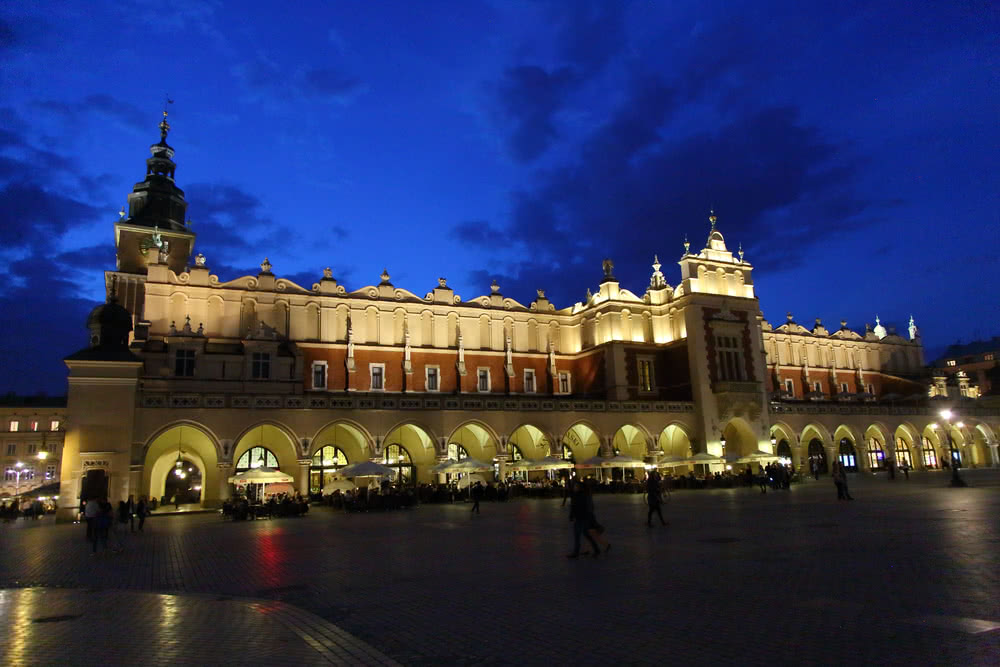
{"x": 675, "y": 440}
{"x": 818, "y": 445}
{"x": 276, "y": 437}
{"x": 477, "y": 438}
{"x": 740, "y": 439}
{"x": 906, "y": 446}
{"x": 531, "y": 441}
{"x": 784, "y": 436}
{"x": 981, "y": 439}
{"x": 632, "y": 440}
{"x": 878, "y": 455}
{"x": 583, "y": 439}
{"x": 419, "y": 443}
{"x": 848, "y": 444}
{"x": 347, "y": 435}
{"x": 197, "y": 445}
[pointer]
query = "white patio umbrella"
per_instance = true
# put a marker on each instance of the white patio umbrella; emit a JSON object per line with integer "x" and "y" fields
{"x": 704, "y": 459}
{"x": 466, "y": 466}
{"x": 470, "y": 479}
{"x": 758, "y": 457}
{"x": 549, "y": 463}
{"x": 364, "y": 469}
{"x": 262, "y": 476}
{"x": 671, "y": 461}
{"x": 339, "y": 485}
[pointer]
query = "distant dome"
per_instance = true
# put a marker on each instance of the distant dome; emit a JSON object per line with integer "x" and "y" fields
{"x": 109, "y": 324}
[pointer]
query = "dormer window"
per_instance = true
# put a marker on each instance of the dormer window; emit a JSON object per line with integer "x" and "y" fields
{"x": 184, "y": 363}
{"x": 260, "y": 366}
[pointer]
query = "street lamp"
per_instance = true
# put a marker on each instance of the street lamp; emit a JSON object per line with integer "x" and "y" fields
{"x": 956, "y": 480}
{"x": 17, "y": 471}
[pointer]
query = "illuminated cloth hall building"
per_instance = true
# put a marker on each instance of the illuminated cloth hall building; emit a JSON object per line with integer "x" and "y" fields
{"x": 187, "y": 369}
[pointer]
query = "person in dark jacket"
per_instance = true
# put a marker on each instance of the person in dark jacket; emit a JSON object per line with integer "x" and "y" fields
{"x": 477, "y": 495}
{"x": 581, "y": 513}
{"x": 653, "y": 497}
{"x": 141, "y": 509}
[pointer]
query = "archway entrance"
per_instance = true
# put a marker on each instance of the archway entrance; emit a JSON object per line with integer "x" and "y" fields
{"x": 848, "y": 456}
{"x": 817, "y": 456}
{"x": 784, "y": 452}
{"x": 418, "y": 446}
{"x": 199, "y": 478}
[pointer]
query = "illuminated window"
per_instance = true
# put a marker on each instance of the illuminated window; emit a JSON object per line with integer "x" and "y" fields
{"x": 456, "y": 452}
{"x": 876, "y": 457}
{"x": 928, "y": 454}
{"x": 567, "y": 454}
{"x": 50, "y": 472}
{"x": 9, "y": 475}
{"x": 529, "y": 380}
{"x": 988, "y": 356}
{"x": 33, "y": 425}
{"x": 645, "y": 375}
{"x": 184, "y": 363}
{"x": 432, "y": 378}
{"x": 903, "y": 454}
{"x": 483, "y": 383}
{"x": 260, "y": 366}
{"x": 257, "y": 457}
{"x": 397, "y": 457}
{"x": 54, "y": 425}
{"x": 950, "y": 362}
{"x": 564, "y": 382}
{"x": 13, "y": 425}
{"x": 377, "y": 377}
{"x": 325, "y": 462}
{"x": 847, "y": 456}
{"x": 319, "y": 375}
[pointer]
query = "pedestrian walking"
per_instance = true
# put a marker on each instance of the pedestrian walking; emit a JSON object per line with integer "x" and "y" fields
{"x": 653, "y": 498}
{"x": 142, "y": 510}
{"x": 91, "y": 513}
{"x": 839, "y": 475}
{"x": 477, "y": 495}
{"x": 581, "y": 513}
{"x": 130, "y": 507}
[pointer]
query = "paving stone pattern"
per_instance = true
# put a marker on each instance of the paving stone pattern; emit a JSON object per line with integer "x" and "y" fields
{"x": 908, "y": 572}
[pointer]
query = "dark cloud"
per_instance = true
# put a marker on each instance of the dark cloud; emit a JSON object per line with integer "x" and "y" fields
{"x": 633, "y": 191}
{"x": 266, "y": 79}
{"x": 95, "y": 258}
{"x": 8, "y": 38}
{"x": 30, "y": 215}
{"x": 332, "y": 83}
{"x": 118, "y": 110}
{"x": 50, "y": 313}
{"x": 529, "y": 97}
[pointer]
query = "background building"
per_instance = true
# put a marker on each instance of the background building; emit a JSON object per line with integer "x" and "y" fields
{"x": 186, "y": 371}
{"x": 31, "y": 434}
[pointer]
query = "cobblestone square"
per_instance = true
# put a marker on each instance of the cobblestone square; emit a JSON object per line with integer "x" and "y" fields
{"x": 907, "y": 573}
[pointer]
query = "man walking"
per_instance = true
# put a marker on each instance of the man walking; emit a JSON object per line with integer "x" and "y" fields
{"x": 477, "y": 495}
{"x": 653, "y": 498}
{"x": 581, "y": 513}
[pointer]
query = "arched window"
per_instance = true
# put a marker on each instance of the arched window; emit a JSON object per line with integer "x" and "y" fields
{"x": 817, "y": 455}
{"x": 257, "y": 457}
{"x": 929, "y": 455}
{"x": 876, "y": 456}
{"x": 515, "y": 456}
{"x": 785, "y": 452}
{"x": 903, "y": 454}
{"x": 397, "y": 457}
{"x": 456, "y": 452}
{"x": 848, "y": 457}
{"x": 326, "y": 461}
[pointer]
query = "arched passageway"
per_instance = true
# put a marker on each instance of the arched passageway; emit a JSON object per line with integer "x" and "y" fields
{"x": 414, "y": 451}
{"x": 195, "y": 450}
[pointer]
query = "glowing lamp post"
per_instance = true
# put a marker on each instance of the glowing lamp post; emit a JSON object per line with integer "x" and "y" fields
{"x": 956, "y": 459}
{"x": 17, "y": 471}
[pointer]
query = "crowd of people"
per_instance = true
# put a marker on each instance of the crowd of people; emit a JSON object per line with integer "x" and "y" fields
{"x": 30, "y": 509}
{"x": 242, "y": 507}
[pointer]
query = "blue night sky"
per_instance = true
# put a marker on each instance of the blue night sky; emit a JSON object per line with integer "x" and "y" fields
{"x": 850, "y": 149}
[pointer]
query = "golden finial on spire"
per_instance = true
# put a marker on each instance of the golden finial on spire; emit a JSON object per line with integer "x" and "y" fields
{"x": 712, "y": 218}
{"x": 164, "y": 125}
